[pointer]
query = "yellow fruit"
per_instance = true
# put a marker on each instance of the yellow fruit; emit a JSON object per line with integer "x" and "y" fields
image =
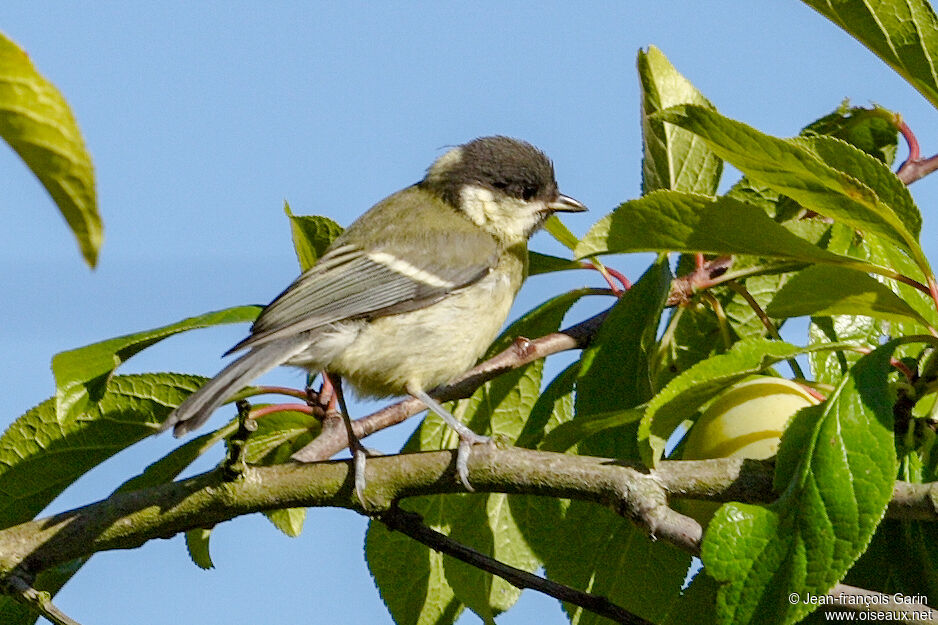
{"x": 746, "y": 421}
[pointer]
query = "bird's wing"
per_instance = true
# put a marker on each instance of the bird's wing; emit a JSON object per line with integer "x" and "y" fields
{"x": 349, "y": 282}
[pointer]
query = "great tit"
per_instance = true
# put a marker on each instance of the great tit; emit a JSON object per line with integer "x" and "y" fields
{"x": 412, "y": 293}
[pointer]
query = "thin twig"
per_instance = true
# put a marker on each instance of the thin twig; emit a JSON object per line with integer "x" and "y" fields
{"x": 722, "y": 321}
{"x": 915, "y": 167}
{"x": 766, "y": 322}
{"x": 608, "y": 273}
{"x": 38, "y": 600}
{"x": 263, "y": 411}
{"x": 279, "y": 390}
{"x": 412, "y": 525}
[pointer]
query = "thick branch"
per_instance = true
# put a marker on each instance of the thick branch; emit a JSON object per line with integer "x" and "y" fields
{"x": 127, "y": 520}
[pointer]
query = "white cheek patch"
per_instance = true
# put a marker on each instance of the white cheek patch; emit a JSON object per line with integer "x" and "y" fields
{"x": 406, "y": 269}
{"x": 511, "y": 218}
{"x": 478, "y": 203}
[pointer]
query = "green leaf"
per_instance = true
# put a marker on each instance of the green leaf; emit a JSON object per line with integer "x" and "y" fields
{"x": 553, "y": 408}
{"x": 672, "y": 221}
{"x": 560, "y": 232}
{"x": 536, "y": 517}
{"x": 836, "y": 466}
{"x": 312, "y": 236}
{"x": 903, "y": 34}
{"x": 288, "y": 520}
{"x": 614, "y": 369}
{"x": 545, "y": 263}
{"x": 824, "y": 290}
{"x": 502, "y": 407}
{"x": 568, "y": 434}
{"x": 673, "y": 158}
{"x": 590, "y": 547}
{"x": 38, "y": 124}
{"x": 793, "y": 168}
{"x": 81, "y": 374}
{"x": 686, "y": 393}
{"x": 40, "y": 455}
{"x": 872, "y": 130}
{"x": 197, "y": 545}
{"x": 873, "y": 172}
{"x": 881, "y": 252}
{"x": 830, "y": 366}
{"x": 691, "y": 335}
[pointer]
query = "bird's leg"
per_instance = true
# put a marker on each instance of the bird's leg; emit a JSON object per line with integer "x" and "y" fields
{"x": 467, "y": 438}
{"x": 359, "y": 454}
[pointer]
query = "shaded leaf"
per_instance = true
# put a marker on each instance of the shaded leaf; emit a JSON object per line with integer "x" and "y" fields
{"x": 824, "y": 290}
{"x": 830, "y": 366}
{"x": 38, "y": 124}
{"x": 598, "y": 551}
{"x": 163, "y": 470}
{"x": 568, "y": 434}
{"x": 696, "y": 605}
{"x": 277, "y": 437}
{"x": 902, "y": 558}
{"x": 614, "y": 369}
{"x": 426, "y": 598}
{"x": 197, "y": 545}
{"x": 545, "y": 263}
{"x": 590, "y": 547}
{"x": 691, "y": 335}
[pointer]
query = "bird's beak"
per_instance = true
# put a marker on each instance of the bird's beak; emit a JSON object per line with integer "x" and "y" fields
{"x": 565, "y": 204}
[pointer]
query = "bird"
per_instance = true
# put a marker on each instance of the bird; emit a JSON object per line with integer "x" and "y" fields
{"x": 411, "y": 294}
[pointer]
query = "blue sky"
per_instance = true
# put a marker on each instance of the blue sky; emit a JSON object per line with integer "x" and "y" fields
{"x": 202, "y": 118}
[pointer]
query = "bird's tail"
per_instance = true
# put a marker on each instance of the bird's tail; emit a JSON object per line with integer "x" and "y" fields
{"x": 199, "y": 406}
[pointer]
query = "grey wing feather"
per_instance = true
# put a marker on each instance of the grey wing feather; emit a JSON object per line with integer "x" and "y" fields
{"x": 347, "y": 284}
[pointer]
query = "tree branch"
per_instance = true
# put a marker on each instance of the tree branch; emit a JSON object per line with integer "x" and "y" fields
{"x": 128, "y": 520}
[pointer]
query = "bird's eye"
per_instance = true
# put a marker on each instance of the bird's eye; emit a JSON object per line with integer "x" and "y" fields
{"x": 528, "y": 193}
